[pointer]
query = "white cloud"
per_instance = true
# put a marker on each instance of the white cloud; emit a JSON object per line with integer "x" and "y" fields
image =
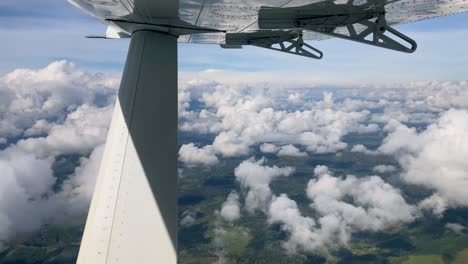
{"x": 25, "y": 178}
{"x": 188, "y": 218}
{"x": 244, "y": 117}
{"x": 63, "y": 110}
{"x": 343, "y": 206}
{"x": 83, "y": 130}
{"x": 269, "y": 148}
{"x": 437, "y": 96}
{"x": 27, "y": 96}
{"x": 230, "y": 210}
{"x": 382, "y": 168}
{"x": 435, "y": 204}
{"x": 78, "y": 190}
{"x": 375, "y": 204}
{"x": 39, "y": 127}
{"x": 255, "y": 177}
{"x": 286, "y": 150}
{"x": 295, "y": 98}
{"x": 434, "y": 158}
{"x": 328, "y": 99}
{"x": 362, "y": 149}
{"x": 292, "y": 151}
{"x": 301, "y": 229}
{"x": 230, "y": 144}
{"x": 56, "y": 110}
{"x": 455, "y": 227}
{"x": 192, "y": 155}
{"x": 184, "y": 98}
{"x": 321, "y": 170}
{"x": 26, "y": 197}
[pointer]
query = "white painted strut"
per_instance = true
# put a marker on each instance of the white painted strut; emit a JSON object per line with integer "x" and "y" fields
{"x": 133, "y": 214}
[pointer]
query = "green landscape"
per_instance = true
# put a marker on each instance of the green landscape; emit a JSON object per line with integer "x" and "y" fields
{"x": 251, "y": 239}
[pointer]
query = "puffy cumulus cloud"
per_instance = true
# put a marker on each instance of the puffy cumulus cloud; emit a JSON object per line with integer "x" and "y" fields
{"x": 414, "y": 102}
{"x": 30, "y": 95}
{"x": 269, "y": 148}
{"x": 375, "y": 204}
{"x": 292, "y": 151}
{"x": 382, "y": 168}
{"x": 188, "y": 218}
{"x": 78, "y": 190}
{"x": 255, "y": 177}
{"x": 230, "y": 210}
{"x": 54, "y": 111}
{"x": 305, "y": 234}
{"x": 391, "y": 113}
{"x": 328, "y": 99}
{"x": 25, "y": 179}
{"x": 81, "y": 131}
{"x": 184, "y": 98}
{"x": 241, "y": 118}
{"x": 320, "y": 130}
{"x": 229, "y": 144}
{"x": 455, "y": 227}
{"x": 362, "y": 149}
{"x": 434, "y": 158}
{"x": 19, "y": 213}
{"x": 27, "y": 199}
{"x": 436, "y": 96}
{"x": 286, "y": 150}
{"x": 192, "y": 155}
{"x": 398, "y": 138}
{"x": 32, "y": 174}
{"x": 342, "y": 206}
{"x": 320, "y": 170}
{"x": 301, "y": 229}
{"x": 354, "y": 104}
{"x": 40, "y": 127}
{"x": 295, "y": 97}
{"x": 435, "y": 204}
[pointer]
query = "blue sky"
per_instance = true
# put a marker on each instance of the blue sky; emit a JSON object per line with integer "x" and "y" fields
{"x": 35, "y": 33}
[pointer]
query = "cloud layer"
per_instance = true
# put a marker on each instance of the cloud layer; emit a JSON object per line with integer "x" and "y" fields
{"x": 342, "y": 206}
{"x": 55, "y": 111}
{"x": 60, "y": 110}
{"x": 434, "y": 158}
{"x": 231, "y": 208}
{"x": 244, "y": 118}
{"x": 255, "y": 177}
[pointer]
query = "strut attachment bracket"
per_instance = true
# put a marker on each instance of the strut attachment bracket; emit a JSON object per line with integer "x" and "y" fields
{"x": 290, "y": 42}
{"x": 375, "y": 33}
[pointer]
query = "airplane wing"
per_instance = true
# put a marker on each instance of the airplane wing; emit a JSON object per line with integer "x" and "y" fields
{"x": 242, "y": 16}
{"x": 281, "y": 25}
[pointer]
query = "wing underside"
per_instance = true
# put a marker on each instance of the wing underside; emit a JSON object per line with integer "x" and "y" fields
{"x": 242, "y": 16}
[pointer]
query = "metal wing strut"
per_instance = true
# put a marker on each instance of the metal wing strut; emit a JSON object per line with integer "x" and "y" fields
{"x": 285, "y": 41}
{"x": 375, "y": 33}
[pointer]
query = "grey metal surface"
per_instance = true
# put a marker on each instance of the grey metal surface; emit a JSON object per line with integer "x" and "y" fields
{"x": 133, "y": 214}
{"x": 241, "y": 15}
{"x": 290, "y": 42}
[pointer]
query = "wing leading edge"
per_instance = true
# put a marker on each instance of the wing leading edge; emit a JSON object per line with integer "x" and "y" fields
{"x": 215, "y": 21}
